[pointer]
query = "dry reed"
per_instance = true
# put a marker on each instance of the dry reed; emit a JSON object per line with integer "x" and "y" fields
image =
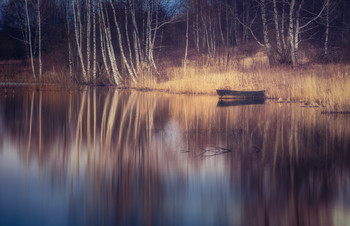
{"x": 314, "y": 85}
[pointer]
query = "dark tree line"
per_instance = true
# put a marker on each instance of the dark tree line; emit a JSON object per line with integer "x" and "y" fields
{"x": 121, "y": 39}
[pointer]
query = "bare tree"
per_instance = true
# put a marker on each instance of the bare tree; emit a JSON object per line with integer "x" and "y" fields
{"x": 39, "y": 34}
{"x": 267, "y": 45}
{"x": 29, "y": 38}
{"x": 121, "y": 48}
{"x": 186, "y": 48}
{"x": 296, "y": 29}
{"x": 108, "y": 43}
{"x": 70, "y": 54}
{"x": 78, "y": 35}
{"x": 94, "y": 67}
{"x": 277, "y": 28}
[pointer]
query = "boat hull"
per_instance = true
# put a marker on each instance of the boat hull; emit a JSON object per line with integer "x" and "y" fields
{"x": 234, "y": 94}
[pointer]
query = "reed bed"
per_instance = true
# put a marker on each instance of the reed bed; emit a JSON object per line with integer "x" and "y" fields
{"x": 314, "y": 85}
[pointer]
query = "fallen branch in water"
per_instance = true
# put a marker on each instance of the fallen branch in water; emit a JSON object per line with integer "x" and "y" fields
{"x": 215, "y": 151}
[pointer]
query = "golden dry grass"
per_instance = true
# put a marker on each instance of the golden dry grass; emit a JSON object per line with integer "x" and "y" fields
{"x": 326, "y": 85}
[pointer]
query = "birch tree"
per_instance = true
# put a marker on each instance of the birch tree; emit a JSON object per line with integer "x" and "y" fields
{"x": 277, "y": 28}
{"x": 78, "y": 35}
{"x": 39, "y": 38}
{"x": 108, "y": 43}
{"x": 186, "y": 48}
{"x": 136, "y": 38}
{"x": 70, "y": 54}
{"x": 267, "y": 44}
{"x": 296, "y": 29}
{"x": 29, "y": 37}
{"x": 125, "y": 61}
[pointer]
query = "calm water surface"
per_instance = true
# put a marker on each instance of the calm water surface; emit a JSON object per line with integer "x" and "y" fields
{"x": 117, "y": 157}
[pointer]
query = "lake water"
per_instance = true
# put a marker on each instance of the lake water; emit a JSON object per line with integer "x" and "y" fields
{"x": 101, "y": 156}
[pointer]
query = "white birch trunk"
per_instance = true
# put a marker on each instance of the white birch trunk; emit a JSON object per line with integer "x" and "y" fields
{"x": 137, "y": 46}
{"x": 197, "y": 31}
{"x": 88, "y": 34}
{"x": 70, "y": 60}
{"x": 77, "y": 31}
{"x": 282, "y": 26}
{"x": 327, "y": 29}
{"x": 186, "y": 49}
{"x": 278, "y": 39}
{"x": 151, "y": 53}
{"x": 126, "y": 63}
{"x": 39, "y": 39}
{"x": 128, "y": 42}
{"x": 94, "y": 69}
{"x": 291, "y": 32}
{"x": 109, "y": 46}
{"x": 267, "y": 44}
{"x": 102, "y": 43}
{"x": 148, "y": 27}
{"x": 29, "y": 38}
{"x": 297, "y": 33}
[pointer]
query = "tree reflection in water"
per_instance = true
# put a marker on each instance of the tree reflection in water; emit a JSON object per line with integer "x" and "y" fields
{"x": 132, "y": 158}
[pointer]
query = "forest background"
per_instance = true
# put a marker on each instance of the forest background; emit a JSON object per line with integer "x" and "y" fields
{"x": 296, "y": 50}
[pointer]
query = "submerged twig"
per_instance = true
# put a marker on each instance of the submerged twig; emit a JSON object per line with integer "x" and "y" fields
{"x": 215, "y": 151}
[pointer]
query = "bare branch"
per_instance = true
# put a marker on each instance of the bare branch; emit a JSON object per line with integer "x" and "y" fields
{"x": 316, "y": 17}
{"x": 250, "y": 29}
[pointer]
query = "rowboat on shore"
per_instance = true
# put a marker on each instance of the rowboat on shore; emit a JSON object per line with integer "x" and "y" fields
{"x": 234, "y": 94}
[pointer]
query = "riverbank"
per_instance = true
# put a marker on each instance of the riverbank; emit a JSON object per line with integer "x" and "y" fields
{"x": 313, "y": 85}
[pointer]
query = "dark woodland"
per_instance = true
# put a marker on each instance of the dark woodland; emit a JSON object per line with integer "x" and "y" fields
{"x": 120, "y": 40}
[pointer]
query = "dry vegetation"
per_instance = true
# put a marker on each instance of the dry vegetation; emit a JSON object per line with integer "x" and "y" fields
{"x": 314, "y": 85}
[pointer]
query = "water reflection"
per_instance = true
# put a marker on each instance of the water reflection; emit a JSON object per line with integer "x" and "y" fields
{"x": 118, "y": 157}
{"x": 238, "y": 102}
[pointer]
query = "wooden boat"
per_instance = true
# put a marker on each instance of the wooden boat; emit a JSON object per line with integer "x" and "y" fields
{"x": 234, "y": 94}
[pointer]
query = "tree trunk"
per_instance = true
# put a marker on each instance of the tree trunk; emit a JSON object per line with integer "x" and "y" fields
{"x": 291, "y": 32}
{"x": 39, "y": 39}
{"x": 137, "y": 45}
{"x": 102, "y": 43}
{"x": 29, "y": 38}
{"x": 297, "y": 33}
{"x": 109, "y": 45}
{"x": 128, "y": 42}
{"x": 148, "y": 28}
{"x": 88, "y": 34}
{"x": 94, "y": 41}
{"x": 235, "y": 23}
{"x": 206, "y": 35}
{"x": 126, "y": 63}
{"x": 282, "y": 26}
{"x": 278, "y": 40}
{"x": 70, "y": 60}
{"x": 267, "y": 45}
{"x": 153, "y": 39}
{"x": 327, "y": 29}
{"x": 78, "y": 34}
{"x": 197, "y": 29}
{"x": 186, "y": 49}
{"x": 220, "y": 25}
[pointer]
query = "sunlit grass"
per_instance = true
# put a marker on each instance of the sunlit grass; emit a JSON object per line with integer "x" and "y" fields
{"x": 326, "y": 86}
